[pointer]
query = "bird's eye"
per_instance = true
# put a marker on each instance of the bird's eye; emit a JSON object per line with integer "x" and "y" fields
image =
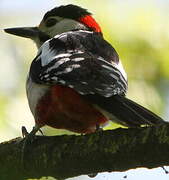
{"x": 51, "y": 22}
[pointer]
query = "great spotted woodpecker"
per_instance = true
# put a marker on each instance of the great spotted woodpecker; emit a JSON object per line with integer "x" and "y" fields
{"x": 76, "y": 81}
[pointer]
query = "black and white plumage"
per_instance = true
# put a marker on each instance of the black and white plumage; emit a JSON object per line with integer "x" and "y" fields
{"x": 85, "y": 62}
{"x": 74, "y": 57}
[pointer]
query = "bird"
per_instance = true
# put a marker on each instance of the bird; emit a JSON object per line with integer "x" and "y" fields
{"x": 77, "y": 81}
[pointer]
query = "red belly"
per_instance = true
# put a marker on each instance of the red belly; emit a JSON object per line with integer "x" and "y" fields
{"x": 64, "y": 108}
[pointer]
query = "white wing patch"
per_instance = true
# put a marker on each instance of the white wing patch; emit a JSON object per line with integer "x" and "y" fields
{"x": 47, "y": 55}
{"x": 119, "y": 66}
{"x": 57, "y": 64}
{"x": 68, "y": 69}
{"x": 83, "y": 71}
{"x": 78, "y": 59}
{"x": 62, "y": 55}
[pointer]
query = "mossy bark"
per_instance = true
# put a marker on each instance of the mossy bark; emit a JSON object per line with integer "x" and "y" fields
{"x": 68, "y": 156}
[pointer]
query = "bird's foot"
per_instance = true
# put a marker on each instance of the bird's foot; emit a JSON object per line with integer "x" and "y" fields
{"x": 28, "y": 139}
{"x": 32, "y": 133}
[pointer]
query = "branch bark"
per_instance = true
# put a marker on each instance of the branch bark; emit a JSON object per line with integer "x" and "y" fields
{"x": 68, "y": 156}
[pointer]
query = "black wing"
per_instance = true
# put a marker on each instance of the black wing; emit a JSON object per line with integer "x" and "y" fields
{"x": 72, "y": 60}
{"x": 88, "y": 64}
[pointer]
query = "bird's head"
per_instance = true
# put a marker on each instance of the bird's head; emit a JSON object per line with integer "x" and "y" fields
{"x": 56, "y": 21}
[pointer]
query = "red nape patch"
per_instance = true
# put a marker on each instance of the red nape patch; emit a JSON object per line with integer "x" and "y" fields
{"x": 90, "y": 22}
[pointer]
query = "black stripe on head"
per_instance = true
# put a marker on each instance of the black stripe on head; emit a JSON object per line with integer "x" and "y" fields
{"x": 43, "y": 37}
{"x": 69, "y": 11}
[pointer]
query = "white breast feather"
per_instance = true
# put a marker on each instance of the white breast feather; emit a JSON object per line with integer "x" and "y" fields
{"x": 34, "y": 93}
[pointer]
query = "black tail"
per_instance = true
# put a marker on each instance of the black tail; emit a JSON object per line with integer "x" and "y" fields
{"x": 135, "y": 114}
{"x": 126, "y": 111}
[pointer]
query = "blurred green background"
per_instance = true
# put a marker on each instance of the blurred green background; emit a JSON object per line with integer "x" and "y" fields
{"x": 138, "y": 30}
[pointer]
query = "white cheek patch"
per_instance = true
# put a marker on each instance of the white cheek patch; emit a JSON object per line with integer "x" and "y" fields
{"x": 65, "y": 25}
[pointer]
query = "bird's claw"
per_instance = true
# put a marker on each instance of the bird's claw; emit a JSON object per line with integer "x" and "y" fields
{"x": 24, "y": 131}
{"x": 28, "y": 138}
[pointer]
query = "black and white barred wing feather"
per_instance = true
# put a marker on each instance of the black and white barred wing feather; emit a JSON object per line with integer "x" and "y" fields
{"x": 102, "y": 82}
{"x": 83, "y": 71}
{"x": 86, "y": 74}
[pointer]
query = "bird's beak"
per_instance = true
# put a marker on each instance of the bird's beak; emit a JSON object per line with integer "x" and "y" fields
{"x": 27, "y": 32}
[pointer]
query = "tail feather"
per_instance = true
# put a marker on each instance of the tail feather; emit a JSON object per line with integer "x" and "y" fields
{"x": 126, "y": 111}
{"x": 142, "y": 115}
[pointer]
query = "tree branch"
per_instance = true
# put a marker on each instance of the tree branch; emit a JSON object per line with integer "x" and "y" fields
{"x": 68, "y": 156}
